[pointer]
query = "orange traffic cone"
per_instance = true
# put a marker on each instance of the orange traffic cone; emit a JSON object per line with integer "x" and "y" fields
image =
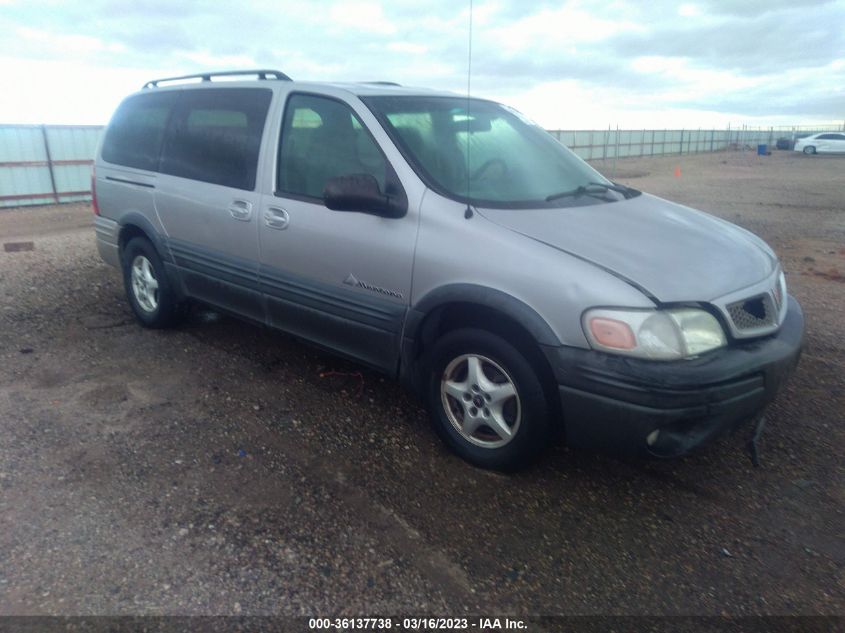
{"x": 677, "y": 172}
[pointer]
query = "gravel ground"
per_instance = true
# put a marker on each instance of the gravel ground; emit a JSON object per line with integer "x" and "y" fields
{"x": 222, "y": 468}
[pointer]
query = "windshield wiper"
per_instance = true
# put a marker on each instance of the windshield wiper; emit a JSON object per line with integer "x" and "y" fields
{"x": 592, "y": 188}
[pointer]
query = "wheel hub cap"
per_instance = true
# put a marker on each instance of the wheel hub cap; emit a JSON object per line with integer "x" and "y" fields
{"x": 144, "y": 283}
{"x": 480, "y": 400}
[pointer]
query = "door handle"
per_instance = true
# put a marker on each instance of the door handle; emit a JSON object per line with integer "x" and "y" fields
{"x": 241, "y": 210}
{"x": 276, "y": 218}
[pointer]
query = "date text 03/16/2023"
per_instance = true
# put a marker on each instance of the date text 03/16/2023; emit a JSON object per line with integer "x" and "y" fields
{"x": 418, "y": 624}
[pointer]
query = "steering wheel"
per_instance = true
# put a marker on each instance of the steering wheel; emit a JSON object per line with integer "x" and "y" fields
{"x": 503, "y": 166}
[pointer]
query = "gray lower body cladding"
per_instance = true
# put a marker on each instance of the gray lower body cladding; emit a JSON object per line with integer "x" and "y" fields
{"x": 107, "y": 233}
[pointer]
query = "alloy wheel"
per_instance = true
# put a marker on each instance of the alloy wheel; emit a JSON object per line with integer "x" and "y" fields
{"x": 481, "y": 400}
{"x": 144, "y": 284}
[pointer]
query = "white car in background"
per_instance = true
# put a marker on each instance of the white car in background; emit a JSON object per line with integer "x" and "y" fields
{"x": 822, "y": 143}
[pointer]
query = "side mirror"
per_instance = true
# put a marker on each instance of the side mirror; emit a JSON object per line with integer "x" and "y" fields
{"x": 360, "y": 192}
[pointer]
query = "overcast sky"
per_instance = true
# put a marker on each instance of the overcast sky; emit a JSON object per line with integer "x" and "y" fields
{"x": 564, "y": 64}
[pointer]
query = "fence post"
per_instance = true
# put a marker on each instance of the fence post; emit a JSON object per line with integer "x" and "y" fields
{"x": 682, "y": 141}
{"x": 50, "y": 163}
{"x": 615, "y": 154}
{"x": 711, "y": 140}
{"x": 604, "y": 148}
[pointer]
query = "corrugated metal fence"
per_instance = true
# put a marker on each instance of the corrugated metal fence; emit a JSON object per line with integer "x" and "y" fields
{"x": 610, "y": 143}
{"x": 45, "y": 164}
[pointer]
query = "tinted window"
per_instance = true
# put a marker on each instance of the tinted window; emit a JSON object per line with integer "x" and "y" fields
{"x": 136, "y": 131}
{"x": 215, "y": 135}
{"x": 321, "y": 139}
{"x": 831, "y": 137}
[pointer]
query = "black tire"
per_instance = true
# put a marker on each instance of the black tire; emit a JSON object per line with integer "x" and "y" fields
{"x": 809, "y": 149}
{"x": 168, "y": 309}
{"x": 533, "y": 430}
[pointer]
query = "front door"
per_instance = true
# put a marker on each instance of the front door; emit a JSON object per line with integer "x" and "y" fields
{"x": 339, "y": 279}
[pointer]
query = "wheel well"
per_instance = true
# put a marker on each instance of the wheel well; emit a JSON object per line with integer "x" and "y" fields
{"x": 459, "y": 315}
{"x": 127, "y": 233}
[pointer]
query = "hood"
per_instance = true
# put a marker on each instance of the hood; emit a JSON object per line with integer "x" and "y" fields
{"x": 672, "y": 252}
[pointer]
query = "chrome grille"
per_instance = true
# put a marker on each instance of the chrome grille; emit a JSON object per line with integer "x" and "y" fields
{"x": 754, "y": 313}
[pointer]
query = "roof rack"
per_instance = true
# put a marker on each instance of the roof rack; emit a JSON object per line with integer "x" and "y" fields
{"x": 381, "y": 83}
{"x": 261, "y": 74}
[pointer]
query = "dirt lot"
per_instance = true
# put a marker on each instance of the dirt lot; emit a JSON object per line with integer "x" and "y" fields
{"x": 217, "y": 469}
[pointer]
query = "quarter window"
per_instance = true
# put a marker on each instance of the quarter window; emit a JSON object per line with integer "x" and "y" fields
{"x": 322, "y": 139}
{"x": 215, "y": 136}
{"x": 136, "y": 131}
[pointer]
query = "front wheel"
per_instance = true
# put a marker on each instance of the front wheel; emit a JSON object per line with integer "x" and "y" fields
{"x": 486, "y": 400}
{"x": 809, "y": 149}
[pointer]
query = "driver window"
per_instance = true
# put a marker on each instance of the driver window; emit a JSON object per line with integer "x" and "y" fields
{"x": 322, "y": 139}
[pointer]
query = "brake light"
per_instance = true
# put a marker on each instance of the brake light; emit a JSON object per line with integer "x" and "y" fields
{"x": 94, "y": 204}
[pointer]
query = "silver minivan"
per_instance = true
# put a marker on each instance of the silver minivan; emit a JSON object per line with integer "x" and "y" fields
{"x": 453, "y": 244}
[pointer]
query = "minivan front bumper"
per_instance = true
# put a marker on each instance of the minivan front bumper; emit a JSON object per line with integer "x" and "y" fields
{"x": 614, "y": 403}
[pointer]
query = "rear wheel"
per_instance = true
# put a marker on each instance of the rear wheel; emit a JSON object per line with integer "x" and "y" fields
{"x": 151, "y": 295}
{"x": 486, "y": 400}
{"x": 809, "y": 149}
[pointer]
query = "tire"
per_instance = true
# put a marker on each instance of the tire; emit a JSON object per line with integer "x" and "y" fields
{"x": 148, "y": 288}
{"x": 470, "y": 374}
{"x": 809, "y": 149}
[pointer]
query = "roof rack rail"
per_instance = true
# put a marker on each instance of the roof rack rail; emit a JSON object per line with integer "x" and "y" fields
{"x": 261, "y": 74}
{"x": 381, "y": 83}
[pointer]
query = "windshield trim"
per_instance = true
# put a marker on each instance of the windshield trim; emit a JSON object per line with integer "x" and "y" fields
{"x": 432, "y": 184}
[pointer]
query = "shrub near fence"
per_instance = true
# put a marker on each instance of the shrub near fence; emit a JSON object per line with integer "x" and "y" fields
{"x": 45, "y": 164}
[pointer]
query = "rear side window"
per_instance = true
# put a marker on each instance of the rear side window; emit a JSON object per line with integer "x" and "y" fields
{"x": 215, "y": 136}
{"x": 321, "y": 139}
{"x": 136, "y": 131}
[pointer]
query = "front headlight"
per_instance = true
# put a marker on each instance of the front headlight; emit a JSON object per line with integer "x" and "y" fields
{"x": 654, "y": 334}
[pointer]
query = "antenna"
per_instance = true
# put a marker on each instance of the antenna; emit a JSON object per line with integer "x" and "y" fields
{"x": 468, "y": 211}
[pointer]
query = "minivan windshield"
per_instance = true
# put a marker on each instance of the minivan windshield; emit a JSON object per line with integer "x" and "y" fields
{"x": 487, "y": 154}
